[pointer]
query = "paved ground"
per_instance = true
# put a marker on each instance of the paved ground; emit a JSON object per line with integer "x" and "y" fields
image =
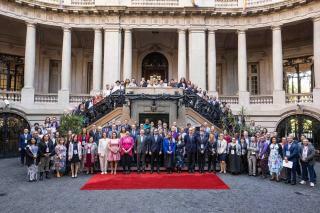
{"x": 247, "y": 194}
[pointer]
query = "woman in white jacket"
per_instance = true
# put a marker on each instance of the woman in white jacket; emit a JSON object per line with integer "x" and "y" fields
{"x": 103, "y": 152}
{"x": 222, "y": 152}
{"x": 74, "y": 155}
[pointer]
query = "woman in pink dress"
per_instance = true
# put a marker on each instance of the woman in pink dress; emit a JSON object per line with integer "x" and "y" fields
{"x": 114, "y": 154}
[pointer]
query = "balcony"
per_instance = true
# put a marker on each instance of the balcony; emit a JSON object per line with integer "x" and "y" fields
{"x": 299, "y": 98}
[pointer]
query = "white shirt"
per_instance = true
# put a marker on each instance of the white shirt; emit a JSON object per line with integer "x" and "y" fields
{"x": 305, "y": 152}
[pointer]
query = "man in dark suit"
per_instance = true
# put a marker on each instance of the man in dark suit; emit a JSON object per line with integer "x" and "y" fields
{"x": 201, "y": 148}
{"x": 23, "y": 142}
{"x": 155, "y": 147}
{"x": 191, "y": 148}
{"x": 141, "y": 149}
{"x": 291, "y": 153}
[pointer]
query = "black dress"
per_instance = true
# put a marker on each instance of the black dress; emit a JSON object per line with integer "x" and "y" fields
{"x": 234, "y": 159}
{"x": 75, "y": 157}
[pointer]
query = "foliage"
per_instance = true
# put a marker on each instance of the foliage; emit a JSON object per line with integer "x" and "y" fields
{"x": 71, "y": 122}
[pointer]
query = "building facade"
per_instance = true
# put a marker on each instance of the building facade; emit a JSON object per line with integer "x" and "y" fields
{"x": 260, "y": 55}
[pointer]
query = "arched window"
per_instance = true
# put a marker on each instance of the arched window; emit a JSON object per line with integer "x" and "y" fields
{"x": 155, "y": 64}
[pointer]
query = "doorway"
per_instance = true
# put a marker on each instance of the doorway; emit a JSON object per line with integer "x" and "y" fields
{"x": 155, "y": 65}
{"x": 154, "y": 117}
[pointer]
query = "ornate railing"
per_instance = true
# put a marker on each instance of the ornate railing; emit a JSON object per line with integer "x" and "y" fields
{"x": 83, "y": 2}
{"x": 10, "y": 96}
{"x": 46, "y": 98}
{"x": 226, "y": 3}
{"x": 261, "y": 99}
{"x": 299, "y": 98}
{"x": 229, "y": 99}
{"x": 78, "y": 98}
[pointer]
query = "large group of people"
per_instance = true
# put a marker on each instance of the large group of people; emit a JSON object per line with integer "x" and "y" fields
{"x": 149, "y": 147}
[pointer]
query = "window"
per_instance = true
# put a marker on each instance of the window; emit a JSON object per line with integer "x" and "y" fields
{"x": 253, "y": 78}
{"x": 298, "y": 75}
{"x": 54, "y": 76}
{"x": 11, "y": 72}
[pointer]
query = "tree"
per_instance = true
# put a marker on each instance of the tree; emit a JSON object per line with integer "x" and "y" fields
{"x": 71, "y": 122}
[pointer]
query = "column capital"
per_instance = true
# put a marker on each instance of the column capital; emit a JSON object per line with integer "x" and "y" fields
{"x": 127, "y": 29}
{"x": 181, "y": 30}
{"x": 241, "y": 31}
{"x": 212, "y": 30}
{"x": 197, "y": 29}
{"x": 112, "y": 28}
{"x": 66, "y": 28}
{"x": 316, "y": 18}
{"x": 31, "y": 23}
{"x": 97, "y": 28}
{"x": 276, "y": 27}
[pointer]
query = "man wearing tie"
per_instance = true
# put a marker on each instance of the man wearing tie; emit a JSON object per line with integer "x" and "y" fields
{"x": 155, "y": 142}
{"x": 291, "y": 153}
{"x": 23, "y": 142}
{"x": 141, "y": 149}
{"x": 202, "y": 147}
{"x": 191, "y": 148}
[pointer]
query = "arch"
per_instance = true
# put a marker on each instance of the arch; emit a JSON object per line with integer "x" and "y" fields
{"x": 300, "y": 124}
{"x": 155, "y": 63}
{"x": 11, "y": 125}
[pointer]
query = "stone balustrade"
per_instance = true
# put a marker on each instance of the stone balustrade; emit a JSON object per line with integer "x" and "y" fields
{"x": 299, "y": 98}
{"x": 78, "y": 98}
{"x": 154, "y": 91}
{"x": 229, "y": 99}
{"x": 161, "y": 3}
{"x": 46, "y": 98}
{"x": 261, "y": 99}
{"x": 10, "y": 96}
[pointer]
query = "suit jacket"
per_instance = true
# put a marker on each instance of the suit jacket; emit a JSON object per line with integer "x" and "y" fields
{"x": 202, "y": 144}
{"x": 43, "y": 148}
{"x": 293, "y": 153}
{"x": 169, "y": 146}
{"x": 141, "y": 146}
{"x": 23, "y": 141}
{"x": 191, "y": 144}
{"x": 310, "y": 155}
{"x": 155, "y": 145}
{"x": 212, "y": 148}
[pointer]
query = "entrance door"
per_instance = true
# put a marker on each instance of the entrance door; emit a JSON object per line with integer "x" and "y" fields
{"x": 11, "y": 126}
{"x": 154, "y": 117}
{"x": 155, "y": 64}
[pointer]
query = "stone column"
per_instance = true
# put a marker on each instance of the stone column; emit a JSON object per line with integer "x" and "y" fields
{"x": 27, "y": 93}
{"x": 63, "y": 94}
{"x": 111, "y": 65}
{"x": 127, "y": 54}
{"x": 97, "y": 61}
{"x": 277, "y": 66}
{"x": 182, "y": 54}
{"x": 244, "y": 95}
{"x": 197, "y": 57}
{"x": 212, "y": 65}
{"x": 316, "y": 60}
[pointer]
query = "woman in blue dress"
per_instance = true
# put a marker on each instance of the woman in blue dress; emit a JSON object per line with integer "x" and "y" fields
{"x": 275, "y": 159}
{"x": 169, "y": 147}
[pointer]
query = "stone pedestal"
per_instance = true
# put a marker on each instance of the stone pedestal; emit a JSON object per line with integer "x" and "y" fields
{"x": 244, "y": 98}
{"x": 279, "y": 97}
{"x": 316, "y": 96}
{"x": 63, "y": 97}
{"x": 27, "y": 97}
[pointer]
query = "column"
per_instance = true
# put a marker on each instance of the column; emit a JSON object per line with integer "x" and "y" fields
{"x": 127, "y": 54}
{"x": 182, "y": 54}
{"x": 63, "y": 95}
{"x": 277, "y": 66}
{"x": 316, "y": 59}
{"x": 212, "y": 65}
{"x": 244, "y": 95}
{"x": 27, "y": 93}
{"x": 97, "y": 61}
{"x": 197, "y": 57}
{"x": 111, "y": 68}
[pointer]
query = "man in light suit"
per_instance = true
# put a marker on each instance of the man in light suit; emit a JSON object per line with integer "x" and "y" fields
{"x": 155, "y": 142}
{"x": 141, "y": 149}
{"x": 23, "y": 142}
{"x": 291, "y": 153}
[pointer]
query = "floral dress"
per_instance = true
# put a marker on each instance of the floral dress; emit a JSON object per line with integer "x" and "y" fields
{"x": 275, "y": 160}
{"x": 60, "y": 158}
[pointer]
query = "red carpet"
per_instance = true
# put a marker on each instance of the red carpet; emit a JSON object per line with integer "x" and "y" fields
{"x": 154, "y": 181}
